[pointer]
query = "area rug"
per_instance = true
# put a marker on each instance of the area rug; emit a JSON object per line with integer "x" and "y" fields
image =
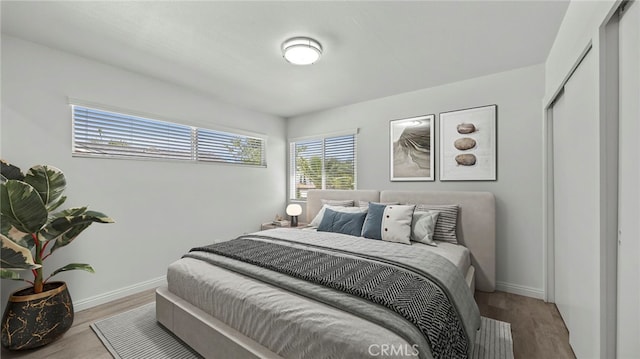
{"x": 135, "y": 334}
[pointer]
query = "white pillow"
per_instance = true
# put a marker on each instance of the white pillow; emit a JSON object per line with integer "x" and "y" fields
{"x": 396, "y": 223}
{"x": 338, "y": 202}
{"x": 318, "y": 218}
{"x": 423, "y": 227}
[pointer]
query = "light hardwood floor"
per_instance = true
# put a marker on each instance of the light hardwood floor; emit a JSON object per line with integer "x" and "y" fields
{"x": 536, "y": 327}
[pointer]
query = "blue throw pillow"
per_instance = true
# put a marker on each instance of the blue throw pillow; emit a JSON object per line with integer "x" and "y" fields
{"x": 372, "y": 227}
{"x": 341, "y": 222}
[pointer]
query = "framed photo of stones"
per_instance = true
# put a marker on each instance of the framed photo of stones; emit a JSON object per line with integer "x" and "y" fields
{"x": 468, "y": 144}
{"x": 411, "y": 149}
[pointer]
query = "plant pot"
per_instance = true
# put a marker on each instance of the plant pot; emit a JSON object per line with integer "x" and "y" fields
{"x": 33, "y": 320}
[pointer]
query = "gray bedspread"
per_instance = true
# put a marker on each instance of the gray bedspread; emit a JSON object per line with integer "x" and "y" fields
{"x": 424, "y": 264}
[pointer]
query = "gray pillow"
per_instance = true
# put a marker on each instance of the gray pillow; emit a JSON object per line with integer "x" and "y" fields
{"x": 423, "y": 227}
{"x": 447, "y": 221}
{"x": 342, "y": 222}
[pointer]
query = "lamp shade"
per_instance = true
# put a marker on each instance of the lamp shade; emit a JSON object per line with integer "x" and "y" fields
{"x": 294, "y": 209}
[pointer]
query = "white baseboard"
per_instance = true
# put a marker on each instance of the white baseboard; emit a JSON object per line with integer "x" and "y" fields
{"x": 520, "y": 290}
{"x": 87, "y": 303}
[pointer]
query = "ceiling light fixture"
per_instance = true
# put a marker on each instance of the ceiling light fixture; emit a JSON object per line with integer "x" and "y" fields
{"x": 301, "y": 50}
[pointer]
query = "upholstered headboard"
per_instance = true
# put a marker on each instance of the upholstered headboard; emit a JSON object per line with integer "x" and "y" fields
{"x": 476, "y": 220}
{"x": 476, "y": 227}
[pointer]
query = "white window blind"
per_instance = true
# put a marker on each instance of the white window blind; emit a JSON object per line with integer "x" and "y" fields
{"x": 103, "y": 133}
{"x": 322, "y": 163}
{"x": 226, "y": 147}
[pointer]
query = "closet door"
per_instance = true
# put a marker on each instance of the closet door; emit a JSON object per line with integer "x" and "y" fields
{"x": 628, "y": 345}
{"x": 576, "y": 156}
{"x": 561, "y": 245}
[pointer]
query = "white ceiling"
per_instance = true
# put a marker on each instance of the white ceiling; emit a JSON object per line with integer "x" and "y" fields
{"x": 231, "y": 50}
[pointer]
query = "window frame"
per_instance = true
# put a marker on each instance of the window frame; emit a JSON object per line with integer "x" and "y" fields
{"x": 193, "y": 158}
{"x": 320, "y": 137}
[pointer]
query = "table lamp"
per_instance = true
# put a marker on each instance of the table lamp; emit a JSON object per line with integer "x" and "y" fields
{"x": 294, "y": 210}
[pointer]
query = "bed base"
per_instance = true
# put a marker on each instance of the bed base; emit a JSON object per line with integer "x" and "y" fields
{"x": 202, "y": 332}
{"x": 209, "y": 336}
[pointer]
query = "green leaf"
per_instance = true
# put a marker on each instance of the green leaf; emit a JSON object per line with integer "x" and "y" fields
{"x": 56, "y": 229}
{"x": 69, "y": 235}
{"x": 9, "y": 274}
{"x": 21, "y": 238}
{"x": 15, "y": 257}
{"x": 49, "y": 181}
{"x": 54, "y": 205}
{"x": 68, "y": 224}
{"x": 21, "y": 205}
{"x": 73, "y": 266}
{"x": 9, "y": 172}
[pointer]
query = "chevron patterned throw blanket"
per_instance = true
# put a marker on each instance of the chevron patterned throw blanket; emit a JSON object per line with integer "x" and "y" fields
{"x": 413, "y": 296}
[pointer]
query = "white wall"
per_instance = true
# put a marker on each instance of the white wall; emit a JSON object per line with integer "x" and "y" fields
{"x": 578, "y": 28}
{"x": 518, "y": 190}
{"x": 162, "y": 209}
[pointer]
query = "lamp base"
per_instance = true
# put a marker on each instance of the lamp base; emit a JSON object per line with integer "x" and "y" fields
{"x": 294, "y": 221}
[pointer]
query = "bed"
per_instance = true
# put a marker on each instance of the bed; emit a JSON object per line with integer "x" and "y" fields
{"x": 225, "y": 308}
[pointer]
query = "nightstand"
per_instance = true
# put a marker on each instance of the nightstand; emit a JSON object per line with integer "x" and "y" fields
{"x": 270, "y": 225}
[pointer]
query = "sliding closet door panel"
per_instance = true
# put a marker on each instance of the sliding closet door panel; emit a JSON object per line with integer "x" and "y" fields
{"x": 629, "y": 181}
{"x": 561, "y": 247}
{"x": 576, "y": 156}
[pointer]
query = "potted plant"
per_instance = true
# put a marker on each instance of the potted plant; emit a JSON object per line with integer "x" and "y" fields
{"x": 31, "y": 231}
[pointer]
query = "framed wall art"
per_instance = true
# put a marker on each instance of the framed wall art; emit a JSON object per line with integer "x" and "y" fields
{"x": 468, "y": 144}
{"x": 411, "y": 149}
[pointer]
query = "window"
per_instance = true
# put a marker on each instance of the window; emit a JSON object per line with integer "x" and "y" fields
{"x": 327, "y": 162}
{"x": 226, "y": 147}
{"x": 102, "y": 133}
